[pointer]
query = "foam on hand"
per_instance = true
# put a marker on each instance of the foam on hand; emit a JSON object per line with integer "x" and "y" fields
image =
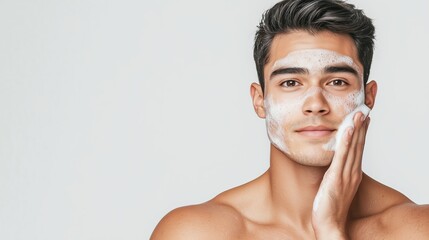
{"x": 347, "y": 122}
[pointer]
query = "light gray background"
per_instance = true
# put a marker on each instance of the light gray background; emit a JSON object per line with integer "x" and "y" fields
{"x": 115, "y": 112}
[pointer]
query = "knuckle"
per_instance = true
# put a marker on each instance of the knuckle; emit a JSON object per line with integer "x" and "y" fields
{"x": 356, "y": 178}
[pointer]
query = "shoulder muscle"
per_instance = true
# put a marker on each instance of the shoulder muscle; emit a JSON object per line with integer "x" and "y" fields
{"x": 205, "y": 221}
{"x": 408, "y": 221}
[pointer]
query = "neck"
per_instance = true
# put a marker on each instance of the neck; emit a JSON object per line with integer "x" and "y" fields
{"x": 293, "y": 188}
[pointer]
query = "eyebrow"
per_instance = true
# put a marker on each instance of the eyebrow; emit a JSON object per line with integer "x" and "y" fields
{"x": 289, "y": 70}
{"x": 341, "y": 69}
{"x": 328, "y": 69}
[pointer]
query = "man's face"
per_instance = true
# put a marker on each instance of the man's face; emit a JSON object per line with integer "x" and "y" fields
{"x": 311, "y": 83}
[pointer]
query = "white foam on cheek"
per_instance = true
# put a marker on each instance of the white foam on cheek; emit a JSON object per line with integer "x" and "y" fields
{"x": 348, "y": 103}
{"x": 348, "y": 122}
{"x": 276, "y": 116}
{"x": 358, "y": 100}
{"x": 279, "y": 112}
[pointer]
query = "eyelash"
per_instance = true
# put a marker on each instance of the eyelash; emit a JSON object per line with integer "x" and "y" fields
{"x": 296, "y": 83}
{"x": 343, "y": 83}
{"x": 284, "y": 84}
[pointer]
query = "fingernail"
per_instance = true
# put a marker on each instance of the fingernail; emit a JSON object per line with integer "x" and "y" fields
{"x": 362, "y": 118}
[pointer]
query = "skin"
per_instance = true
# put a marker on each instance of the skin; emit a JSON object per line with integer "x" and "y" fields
{"x": 279, "y": 203}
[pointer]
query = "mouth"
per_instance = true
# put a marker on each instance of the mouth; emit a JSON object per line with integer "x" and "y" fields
{"x": 316, "y": 131}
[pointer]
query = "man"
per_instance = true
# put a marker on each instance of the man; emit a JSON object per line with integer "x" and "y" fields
{"x": 313, "y": 59}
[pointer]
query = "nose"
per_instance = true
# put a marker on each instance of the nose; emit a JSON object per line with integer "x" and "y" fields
{"x": 315, "y": 104}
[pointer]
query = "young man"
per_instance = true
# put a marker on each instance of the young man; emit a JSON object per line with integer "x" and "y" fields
{"x": 313, "y": 59}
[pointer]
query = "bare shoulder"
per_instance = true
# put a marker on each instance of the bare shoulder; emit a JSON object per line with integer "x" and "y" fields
{"x": 385, "y": 213}
{"x": 210, "y": 220}
{"x": 407, "y": 221}
{"x": 227, "y": 216}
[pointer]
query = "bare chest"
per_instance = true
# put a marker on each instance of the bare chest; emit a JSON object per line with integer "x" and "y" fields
{"x": 264, "y": 232}
{"x": 361, "y": 229}
{"x": 367, "y": 228}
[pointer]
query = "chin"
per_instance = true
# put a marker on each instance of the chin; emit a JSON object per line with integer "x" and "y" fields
{"x": 307, "y": 155}
{"x": 312, "y": 157}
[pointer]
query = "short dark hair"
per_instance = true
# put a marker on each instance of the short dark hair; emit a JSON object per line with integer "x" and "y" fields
{"x": 313, "y": 16}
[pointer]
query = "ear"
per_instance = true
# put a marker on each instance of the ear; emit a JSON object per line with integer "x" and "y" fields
{"x": 258, "y": 99}
{"x": 370, "y": 93}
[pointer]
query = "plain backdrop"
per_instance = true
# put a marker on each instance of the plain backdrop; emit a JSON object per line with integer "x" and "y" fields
{"x": 115, "y": 112}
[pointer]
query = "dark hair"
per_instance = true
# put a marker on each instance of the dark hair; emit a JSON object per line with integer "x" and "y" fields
{"x": 313, "y": 16}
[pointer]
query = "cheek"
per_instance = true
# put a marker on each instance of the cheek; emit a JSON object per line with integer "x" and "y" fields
{"x": 346, "y": 104}
{"x": 283, "y": 110}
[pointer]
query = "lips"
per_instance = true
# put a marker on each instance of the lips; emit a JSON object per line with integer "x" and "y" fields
{"x": 315, "y": 131}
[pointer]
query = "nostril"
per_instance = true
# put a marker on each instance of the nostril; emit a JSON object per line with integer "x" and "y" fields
{"x": 316, "y": 111}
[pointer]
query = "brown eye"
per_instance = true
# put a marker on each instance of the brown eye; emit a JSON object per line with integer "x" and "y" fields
{"x": 338, "y": 82}
{"x": 290, "y": 83}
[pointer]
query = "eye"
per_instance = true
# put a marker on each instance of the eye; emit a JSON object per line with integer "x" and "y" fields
{"x": 290, "y": 83}
{"x": 338, "y": 82}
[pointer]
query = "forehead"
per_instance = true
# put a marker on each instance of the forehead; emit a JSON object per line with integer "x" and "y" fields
{"x": 303, "y": 41}
{"x": 314, "y": 59}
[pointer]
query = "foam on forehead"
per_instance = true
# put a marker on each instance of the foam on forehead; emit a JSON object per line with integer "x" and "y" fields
{"x": 314, "y": 60}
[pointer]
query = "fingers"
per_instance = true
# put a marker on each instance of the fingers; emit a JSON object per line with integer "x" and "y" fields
{"x": 353, "y": 166}
{"x": 360, "y": 146}
{"x": 354, "y": 145}
{"x": 342, "y": 152}
{"x": 348, "y": 157}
